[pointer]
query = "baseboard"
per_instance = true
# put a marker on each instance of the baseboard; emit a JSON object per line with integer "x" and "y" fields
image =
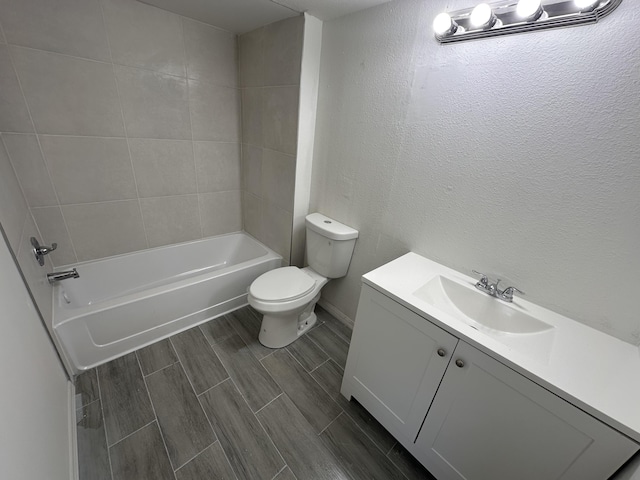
{"x": 73, "y": 433}
{"x": 333, "y": 310}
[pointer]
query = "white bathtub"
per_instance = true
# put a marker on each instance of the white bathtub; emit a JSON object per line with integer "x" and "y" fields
{"x": 122, "y": 303}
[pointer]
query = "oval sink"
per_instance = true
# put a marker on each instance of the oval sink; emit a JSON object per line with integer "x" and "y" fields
{"x": 455, "y": 298}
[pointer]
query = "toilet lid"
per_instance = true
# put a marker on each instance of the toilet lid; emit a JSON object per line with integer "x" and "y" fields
{"x": 285, "y": 283}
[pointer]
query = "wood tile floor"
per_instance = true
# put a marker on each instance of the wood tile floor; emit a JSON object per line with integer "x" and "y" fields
{"x": 213, "y": 403}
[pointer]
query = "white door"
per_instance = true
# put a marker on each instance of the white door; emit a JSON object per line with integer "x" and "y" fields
{"x": 395, "y": 364}
{"x": 488, "y": 422}
{"x": 35, "y": 402}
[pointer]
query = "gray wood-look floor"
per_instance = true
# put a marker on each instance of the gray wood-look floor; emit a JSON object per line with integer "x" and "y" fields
{"x": 213, "y": 403}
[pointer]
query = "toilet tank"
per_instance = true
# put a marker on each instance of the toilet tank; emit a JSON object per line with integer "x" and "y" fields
{"x": 329, "y": 245}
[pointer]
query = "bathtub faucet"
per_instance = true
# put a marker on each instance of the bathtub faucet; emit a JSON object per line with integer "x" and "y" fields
{"x": 57, "y": 276}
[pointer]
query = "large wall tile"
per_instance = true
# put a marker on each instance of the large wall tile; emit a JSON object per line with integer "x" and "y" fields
{"x": 214, "y": 112}
{"x": 14, "y": 116}
{"x": 163, "y": 167}
{"x": 170, "y": 220}
{"x": 252, "y": 169}
{"x": 218, "y": 166}
{"x": 252, "y": 116}
{"x": 69, "y": 96}
{"x": 220, "y": 212}
{"x": 72, "y": 27}
{"x": 251, "y": 58}
{"x": 251, "y": 214}
{"x": 276, "y": 229}
{"x": 144, "y": 36}
{"x": 54, "y": 230}
{"x": 13, "y": 207}
{"x": 89, "y": 169}
{"x": 29, "y": 165}
{"x": 280, "y": 118}
{"x": 283, "y": 51}
{"x": 278, "y": 178}
{"x": 211, "y": 54}
{"x": 92, "y": 228}
{"x": 154, "y": 105}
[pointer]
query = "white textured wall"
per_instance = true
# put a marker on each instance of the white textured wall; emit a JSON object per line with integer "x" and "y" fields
{"x": 518, "y": 156}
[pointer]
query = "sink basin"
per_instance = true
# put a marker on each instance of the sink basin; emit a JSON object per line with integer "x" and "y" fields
{"x": 484, "y": 311}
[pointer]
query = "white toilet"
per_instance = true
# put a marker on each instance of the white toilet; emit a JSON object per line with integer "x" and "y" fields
{"x": 287, "y": 296}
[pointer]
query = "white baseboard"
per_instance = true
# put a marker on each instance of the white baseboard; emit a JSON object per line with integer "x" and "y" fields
{"x": 333, "y": 310}
{"x": 73, "y": 433}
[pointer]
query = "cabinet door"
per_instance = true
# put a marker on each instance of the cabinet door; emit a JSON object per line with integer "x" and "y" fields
{"x": 394, "y": 368}
{"x": 488, "y": 422}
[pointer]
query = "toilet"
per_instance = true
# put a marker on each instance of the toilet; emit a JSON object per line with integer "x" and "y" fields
{"x": 287, "y": 296}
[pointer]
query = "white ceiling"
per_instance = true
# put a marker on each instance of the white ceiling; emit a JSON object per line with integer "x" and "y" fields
{"x": 241, "y": 16}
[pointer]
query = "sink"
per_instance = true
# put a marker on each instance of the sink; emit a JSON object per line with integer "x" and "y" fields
{"x": 485, "y": 312}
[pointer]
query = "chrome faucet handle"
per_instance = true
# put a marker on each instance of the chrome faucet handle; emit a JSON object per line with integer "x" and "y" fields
{"x": 507, "y": 293}
{"x": 39, "y": 251}
{"x": 483, "y": 280}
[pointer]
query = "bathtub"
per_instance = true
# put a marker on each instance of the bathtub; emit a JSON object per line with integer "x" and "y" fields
{"x": 120, "y": 304}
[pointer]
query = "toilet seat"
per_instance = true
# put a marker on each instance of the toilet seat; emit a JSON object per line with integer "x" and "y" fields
{"x": 282, "y": 285}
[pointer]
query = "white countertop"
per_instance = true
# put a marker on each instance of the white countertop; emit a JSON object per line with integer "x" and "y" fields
{"x": 596, "y": 372}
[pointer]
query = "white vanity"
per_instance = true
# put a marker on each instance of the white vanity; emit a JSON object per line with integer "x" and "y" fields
{"x": 479, "y": 389}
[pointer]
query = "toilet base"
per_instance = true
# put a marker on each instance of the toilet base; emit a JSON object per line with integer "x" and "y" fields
{"x": 277, "y": 331}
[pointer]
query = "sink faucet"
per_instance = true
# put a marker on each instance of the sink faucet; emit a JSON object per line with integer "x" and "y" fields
{"x": 57, "y": 276}
{"x": 493, "y": 290}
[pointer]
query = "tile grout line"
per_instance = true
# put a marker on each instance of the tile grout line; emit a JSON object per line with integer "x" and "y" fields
{"x": 260, "y": 423}
{"x": 391, "y": 449}
{"x": 268, "y": 403}
{"x": 279, "y": 471}
{"x": 331, "y": 423}
{"x": 144, "y": 380}
{"x": 132, "y": 433}
{"x": 208, "y": 446}
{"x": 326, "y": 361}
{"x": 124, "y": 127}
{"x": 106, "y": 441}
{"x": 159, "y": 370}
{"x": 193, "y": 143}
{"x": 46, "y": 166}
{"x": 121, "y": 137}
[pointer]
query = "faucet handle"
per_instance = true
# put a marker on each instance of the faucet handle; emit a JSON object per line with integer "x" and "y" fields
{"x": 483, "y": 280}
{"x": 507, "y": 293}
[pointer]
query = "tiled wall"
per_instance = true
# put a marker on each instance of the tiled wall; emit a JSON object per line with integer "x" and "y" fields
{"x": 122, "y": 122}
{"x": 270, "y": 59}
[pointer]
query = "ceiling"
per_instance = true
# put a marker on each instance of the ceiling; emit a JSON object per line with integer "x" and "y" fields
{"x": 241, "y": 16}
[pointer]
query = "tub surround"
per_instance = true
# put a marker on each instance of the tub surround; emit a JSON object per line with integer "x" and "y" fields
{"x": 124, "y": 126}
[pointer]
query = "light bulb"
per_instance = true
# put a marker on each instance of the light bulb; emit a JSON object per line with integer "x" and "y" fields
{"x": 529, "y": 10}
{"x": 444, "y": 25}
{"x": 586, "y": 5}
{"x": 482, "y": 17}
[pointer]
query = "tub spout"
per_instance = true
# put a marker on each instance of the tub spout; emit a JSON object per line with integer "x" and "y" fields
{"x": 57, "y": 276}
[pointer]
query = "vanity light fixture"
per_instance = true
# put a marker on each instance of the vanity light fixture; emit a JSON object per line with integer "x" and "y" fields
{"x": 504, "y": 17}
{"x": 444, "y": 25}
{"x": 529, "y": 10}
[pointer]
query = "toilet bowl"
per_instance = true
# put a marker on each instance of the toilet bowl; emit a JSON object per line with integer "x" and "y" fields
{"x": 287, "y": 296}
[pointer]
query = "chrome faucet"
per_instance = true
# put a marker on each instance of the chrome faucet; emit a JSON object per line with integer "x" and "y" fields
{"x": 58, "y": 276}
{"x": 493, "y": 290}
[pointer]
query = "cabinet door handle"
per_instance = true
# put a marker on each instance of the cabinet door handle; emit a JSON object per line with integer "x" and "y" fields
{"x": 459, "y": 363}
{"x": 442, "y": 352}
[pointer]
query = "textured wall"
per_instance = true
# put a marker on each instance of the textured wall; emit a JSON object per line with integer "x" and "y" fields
{"x": 270, "y": 59}
{"x": 122, "y": 122}
{"x": 517, "y": 156}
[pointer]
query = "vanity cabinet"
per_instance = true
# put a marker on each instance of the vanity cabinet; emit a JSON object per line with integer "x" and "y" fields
{"x": 463, "y": 414}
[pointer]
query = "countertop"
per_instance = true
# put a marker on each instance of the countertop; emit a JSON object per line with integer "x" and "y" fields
{"x": 596, "y": 372}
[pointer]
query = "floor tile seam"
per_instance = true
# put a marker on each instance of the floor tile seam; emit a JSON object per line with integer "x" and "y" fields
{"x": 391, "y": 449}
{"x": 268, "y": 403}
{"x": 87, "y": 404}
{"x": 379, "y": 447}
{"x": 173, "y": 471}
{"x": 201, "y": 451}
{"x": 328, "y": 359}
{"x": 260, "y": 423}
{"x": 132, "y": 433}
{"x": 280, "y": 471}
{"x": 331, "y": 422}
{"x": 160, "y": 369}
{"x": 181, "y": 362}
{"x": 106, "y": 441}
{"x": 211, "y": 388}
{"x": 338, "y": 334}
{"x": 397, "y": 468}
{"x": 296, "y": 359}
